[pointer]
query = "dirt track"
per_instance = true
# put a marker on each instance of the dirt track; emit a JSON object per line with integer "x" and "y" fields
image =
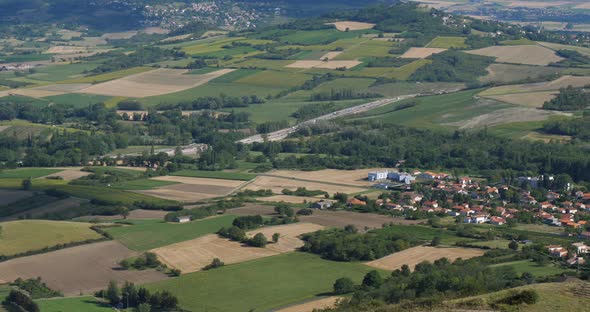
{"x": 85, "y": 269}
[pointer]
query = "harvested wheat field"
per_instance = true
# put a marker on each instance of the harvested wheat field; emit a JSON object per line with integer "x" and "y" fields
{"x": 532, "y": 99}
{"x": 323, "y": 64}
{"x": 68, "y": 174}
{"x": 349, "y": 177}
{"x": 349, "y": 25}
{"x": 331, "y": 55}
{"x": 415, "y": 255}
{"x": 420, "y": 53}
{"x": 312, "y": 305}
{"x": 10, "y": 196}
{"x": 35, "y": 92}
{"x": 289, "y": 199}
{"x": 520, "y": 54}
{"x": 65, "y": 49}
{"x": 192, "y": 189}
{"x": 278, "y": 184}
{"x": 3, "y": 128}
{"x": 152, "y": 83}
{"x": 193, "y": 255}
{"x": 64, "y": 87}
{"x": 85, "y": 269}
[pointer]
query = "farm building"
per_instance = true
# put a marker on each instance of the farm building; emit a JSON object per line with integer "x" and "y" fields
{"x": 377, "y": 175}
{"x": 403, "y": 177}
{"x": 322, "y": 204}
{"x": 183, "y": 219}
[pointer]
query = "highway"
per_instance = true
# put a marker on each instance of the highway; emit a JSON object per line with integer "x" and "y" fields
{"x": 283, "y": 133}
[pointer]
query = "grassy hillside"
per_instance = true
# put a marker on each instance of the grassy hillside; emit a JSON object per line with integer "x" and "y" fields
{"x": 260, "y": 285}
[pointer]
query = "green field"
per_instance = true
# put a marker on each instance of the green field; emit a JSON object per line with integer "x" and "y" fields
{"x": 85, "y": 303}
{"x": 78, "y": 100}
{"x": 236, "y": 75}
{"x": 424, "y": 233}
{"x": 366, "y": 48}
{"x": 447, "y": 42}
{"x": 24, "y": 173}
{"x": 146, "y": 235}
{"x": 108, "y": 76}
{"x": 110, "y": 194}
{"x": 436, "y": 111}
{"x": 20, "y": 99}
{"x": 61, "y": 72}
{"x": 270, "y": 78}
{"x": 260, "y": 285}
{"x": 25, "y": 58}
{"x": 533, "y": 268}
{"x": 215, "y": 175}
{"x": 30, "y": 235}
{"x": 143, "y": 184}
{"x": 494, "y": 244}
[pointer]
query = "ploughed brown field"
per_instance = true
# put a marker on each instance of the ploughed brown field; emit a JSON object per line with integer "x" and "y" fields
{"x": 192, "y": 189}
{"x": 85, "y": 268}
{"x": 415, "y": 255}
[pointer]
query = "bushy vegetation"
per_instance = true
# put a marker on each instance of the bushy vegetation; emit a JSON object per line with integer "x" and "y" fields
{"x": 36, "y": 288}
{"x": 349, "y": 245}
{"x": 141, "y": 56}
{"x": 131, "y": 296}
{"x": 22, "y": 301}
{"x": 430, "y": 283}
{"x": 569, "y": 98}
{"x": 453, "y": 66}
{"x": 579, "y": 128}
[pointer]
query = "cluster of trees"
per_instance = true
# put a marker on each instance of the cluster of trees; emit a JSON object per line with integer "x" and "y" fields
{"x": 196, "y": 28}
{"x": 36, "y": 288}
{"x": 389, "y": 61}
{"x": 212, "y": 102}
{"x": 21, "y": 300}
{"x": 271, "y": 126}
{"x": 141, "y": 56}
{"x": 579, "y": 128}
{"x": 310, "y": 111}
{"x": 377, "y": 144}
{"x": 302, "y": 191}
{"x": 131, "y": 296}
{"x": 216, "y": 263}
{"x": 569, "y": 98}
{"x": 402, "y": 17}
{"x": 275, "y": 54}
{"x": 572, "y": 58}
{"x": 349, "y": 245}
{"x": 431, "y": 283}
{"x": 147, "y": 260}
{"x": 453, "y": 66}
{"x": 343, "y": 94}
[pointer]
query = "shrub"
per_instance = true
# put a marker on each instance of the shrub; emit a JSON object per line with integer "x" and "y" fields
{"x": 520, "y": 297}
{"x": 343, "y": 285}
{"x": 216, "y": 263}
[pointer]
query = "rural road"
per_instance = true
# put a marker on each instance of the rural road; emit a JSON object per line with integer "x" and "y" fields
{"x": 283, "y": 133}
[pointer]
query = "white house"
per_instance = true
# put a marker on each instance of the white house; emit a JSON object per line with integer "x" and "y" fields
{"x": 183, "y": 219}
{"x": 581, "y": 248}
{"x": 378, "y": 175}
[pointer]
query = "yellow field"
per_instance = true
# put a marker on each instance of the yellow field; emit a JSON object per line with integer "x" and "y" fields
{"x": 314, "y": 305}
{"x": 420, "y": 53}
{"x": 108, "y": 76}
{"x": 349, "y": 25}
{"x": 29, "y": 235}
{"x": 555, "y": 85}
{"x": 277, "y": 184}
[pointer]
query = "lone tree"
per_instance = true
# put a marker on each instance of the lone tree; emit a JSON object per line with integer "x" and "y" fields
{"x": 275, "y": 237}
{"x": 372, "y": 279}
{"x": 27, "y": 184}
{"x": 124, "y": 212}
{"x": 513, "y": 245}
{"x": 259, "y": 240}
{"x": 112, "y": 294}
{"x": 343, "y": 285}
{"x": 435, "y": 241}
